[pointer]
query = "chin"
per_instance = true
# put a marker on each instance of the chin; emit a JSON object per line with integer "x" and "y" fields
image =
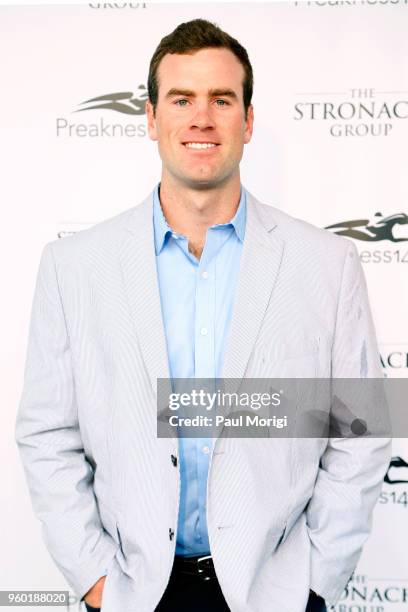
{"x": 204, "y": 182}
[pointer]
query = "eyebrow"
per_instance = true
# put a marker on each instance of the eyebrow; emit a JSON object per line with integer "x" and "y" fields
{"x": 211, "y": 92}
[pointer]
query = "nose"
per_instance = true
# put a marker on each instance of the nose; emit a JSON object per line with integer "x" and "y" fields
{"x": 202, "y": 117}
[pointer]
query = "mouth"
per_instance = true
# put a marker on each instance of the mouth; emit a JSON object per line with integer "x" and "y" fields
{"x": 200, "y": 146}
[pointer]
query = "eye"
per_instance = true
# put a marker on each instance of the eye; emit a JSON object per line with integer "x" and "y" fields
{"x": 181, "y": 100}
{"x": 224, "y": 102}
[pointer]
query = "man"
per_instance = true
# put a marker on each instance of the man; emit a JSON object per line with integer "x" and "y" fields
{"x": 199, "y": 280}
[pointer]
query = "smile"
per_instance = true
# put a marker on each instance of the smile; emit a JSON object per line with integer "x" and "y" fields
{"x": 200, "y": 145}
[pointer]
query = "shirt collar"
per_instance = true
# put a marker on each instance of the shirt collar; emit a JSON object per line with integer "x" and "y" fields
{"x": 162, "y": 229}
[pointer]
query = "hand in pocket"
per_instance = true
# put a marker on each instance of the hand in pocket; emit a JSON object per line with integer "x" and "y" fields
{"x": 93, "y": 598}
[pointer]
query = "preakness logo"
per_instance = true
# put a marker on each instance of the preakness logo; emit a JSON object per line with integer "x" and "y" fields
{"x": 395, "y": 490}
{"x": 396, "y": 475}
{"x": 353, "y": 113}
{"x": 380, "y": 228}
{"x": 123, "y": 104}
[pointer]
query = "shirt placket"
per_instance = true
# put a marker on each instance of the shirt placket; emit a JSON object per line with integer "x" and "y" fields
{"x": 205, "y": 364}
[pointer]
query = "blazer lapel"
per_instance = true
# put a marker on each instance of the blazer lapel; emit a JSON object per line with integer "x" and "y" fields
{"x": 138, "y": 261}
{"x": 260, "y": 262}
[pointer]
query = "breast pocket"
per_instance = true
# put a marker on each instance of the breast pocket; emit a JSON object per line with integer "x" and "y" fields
{"x": 284, "y": 360}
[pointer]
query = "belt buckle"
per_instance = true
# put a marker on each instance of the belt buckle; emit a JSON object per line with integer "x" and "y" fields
{"x": 202, "y": 570}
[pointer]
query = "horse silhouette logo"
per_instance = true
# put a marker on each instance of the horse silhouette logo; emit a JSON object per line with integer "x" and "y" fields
{"x": 381, "y": 228}
{"x": 396, "y": 462}
{"x": 122, "y": 102}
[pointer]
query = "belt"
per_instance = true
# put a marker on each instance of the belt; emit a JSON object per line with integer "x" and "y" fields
{"x": 200, "y": 567}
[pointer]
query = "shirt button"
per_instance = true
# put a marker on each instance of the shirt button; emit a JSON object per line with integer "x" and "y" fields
{"x": 204, "y": 275}
{"x": 174, "y": 460}
{"x": 206, "y": 450}
{"x": 171, "y": 533}
{"x": 204, "y": 331}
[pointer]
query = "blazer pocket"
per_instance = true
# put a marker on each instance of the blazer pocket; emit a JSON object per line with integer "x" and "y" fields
{"x": 273, "y": 352}
{"x": 119, "y": 539}
{"x": 274, "y": 540}
{"x": 290, "y": 524}
{"x": 282, "y": 537}
{"x": 107, "y": 518}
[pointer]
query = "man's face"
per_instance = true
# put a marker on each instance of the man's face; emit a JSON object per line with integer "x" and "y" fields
{"x": 200, "y": 101}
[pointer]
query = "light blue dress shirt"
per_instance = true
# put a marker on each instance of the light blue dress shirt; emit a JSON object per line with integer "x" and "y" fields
{"x": 196, "y": 299}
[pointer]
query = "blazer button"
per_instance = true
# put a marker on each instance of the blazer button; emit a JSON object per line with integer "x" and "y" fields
{"x": 174, "y": 460}
{"x": 171, "y": 533}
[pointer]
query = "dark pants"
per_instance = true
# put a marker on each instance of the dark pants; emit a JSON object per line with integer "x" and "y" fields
{"x": 190, "y": 594}
{"x": 315, "y": 604}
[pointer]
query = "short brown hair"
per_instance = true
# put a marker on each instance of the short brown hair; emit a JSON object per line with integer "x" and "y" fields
{"x": 192, "y": 36}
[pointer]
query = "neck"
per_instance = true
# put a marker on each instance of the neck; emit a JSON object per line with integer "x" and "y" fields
{"x": 191, "y": 211}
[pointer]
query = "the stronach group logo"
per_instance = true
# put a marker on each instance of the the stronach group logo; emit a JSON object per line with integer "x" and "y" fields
{"x": 123, "y": 103}
{"x": 394, "y": 360}
{"x": 353, "y": 113}
{"x": 380, "y": 228}
{"x": 365, "y": 594}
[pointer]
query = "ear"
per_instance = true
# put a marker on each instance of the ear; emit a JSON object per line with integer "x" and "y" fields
{"x": 249, "y": 124}
{"x": 151, "y": 121}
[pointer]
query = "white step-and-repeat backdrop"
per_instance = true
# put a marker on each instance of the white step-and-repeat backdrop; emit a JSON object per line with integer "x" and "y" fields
{"x": 329, "y": 146}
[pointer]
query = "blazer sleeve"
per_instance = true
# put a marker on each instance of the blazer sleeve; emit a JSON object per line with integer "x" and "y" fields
{"x": 59, "y": 477}
{"x": 351, "y": 471}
